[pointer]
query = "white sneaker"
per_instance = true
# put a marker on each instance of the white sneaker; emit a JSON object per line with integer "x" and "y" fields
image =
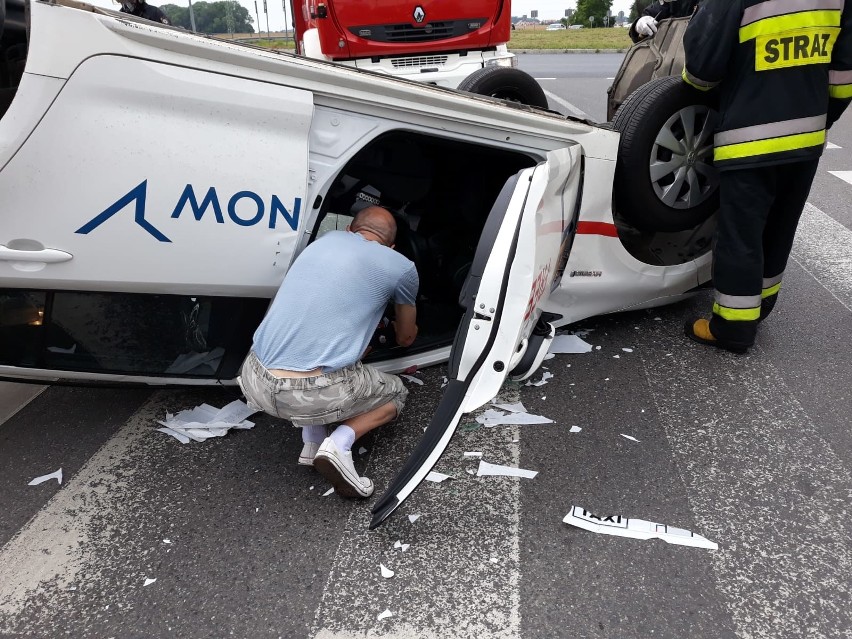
{"x": 309, "y": 451}
{"x": 337, "y": 467}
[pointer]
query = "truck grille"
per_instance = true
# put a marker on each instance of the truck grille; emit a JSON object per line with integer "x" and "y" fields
{"x": 420, "y": 61}
{"x": 418, "y": 33}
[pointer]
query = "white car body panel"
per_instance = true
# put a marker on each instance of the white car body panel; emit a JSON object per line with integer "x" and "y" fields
{"x": 124, "y": 102}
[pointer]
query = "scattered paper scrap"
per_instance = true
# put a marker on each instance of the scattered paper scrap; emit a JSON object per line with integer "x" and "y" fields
{"x": 328, "y": 492}
{"x": 205, "y": 421}
{"x": 597, "y": 348}
{"x": 549, "y": 356}
{"x": 627, "y": 350}
{"x": 413, "y": 380}
{"x": 56, "y": 474}
{"x": 494, "y": 560}
{"x": 403, "y": 547}
{"x": 413, "y": 518}
{"x": 362, "y": 450}
{"x": 831, "y": 146}
{"x": 167, "y": 541}
{"x": 635, "y": 529}
{"x": 546, "y": 375}
{"x": 149, "y": 581}
{"x": 487, "y": 469}
{"x": 384, "y": 615}
{"x": 494, "y": 418}
{"x": 437, "y": 477}
{"x": 575, "y": 429}
{"x": 470, "y": 471}
{"x": 472, "y": 454}
{"x": 571, "y": 344}
{"x": 517, "y": 407}
{"x": 633, "y": 439}
{"x": 197, "y": 363}
{"x": 616, "y": 356}
{"x": 387, "y": 573}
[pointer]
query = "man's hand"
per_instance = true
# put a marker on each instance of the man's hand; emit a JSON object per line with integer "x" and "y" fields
{"x": 405, "y": 324}
{"x": 646, "y": 26}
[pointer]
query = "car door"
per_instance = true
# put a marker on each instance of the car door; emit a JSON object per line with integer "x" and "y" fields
{"x": 515, "y": 268}
{"x": 147, "y": 220}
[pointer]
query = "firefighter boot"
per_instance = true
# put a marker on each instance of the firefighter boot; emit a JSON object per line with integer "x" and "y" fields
{"x": 698, "y": 330}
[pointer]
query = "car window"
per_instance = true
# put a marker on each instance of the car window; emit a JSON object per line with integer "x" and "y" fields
{"x": 127, "y": 333}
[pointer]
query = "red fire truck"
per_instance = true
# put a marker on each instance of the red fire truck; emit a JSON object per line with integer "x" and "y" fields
{"x": 452, "y": 44}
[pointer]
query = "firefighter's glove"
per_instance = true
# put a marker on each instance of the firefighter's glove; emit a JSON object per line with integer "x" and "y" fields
{"x": 646, "y": 26}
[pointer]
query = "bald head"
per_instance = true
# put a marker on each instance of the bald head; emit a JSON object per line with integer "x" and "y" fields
{"x": 377, "y": 221}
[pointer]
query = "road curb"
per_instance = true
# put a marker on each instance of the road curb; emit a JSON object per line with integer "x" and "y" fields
{"x": 545, "y": 51}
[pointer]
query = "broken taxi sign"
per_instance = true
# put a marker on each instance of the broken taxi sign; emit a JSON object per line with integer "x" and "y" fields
{"x": 621, "y": 526}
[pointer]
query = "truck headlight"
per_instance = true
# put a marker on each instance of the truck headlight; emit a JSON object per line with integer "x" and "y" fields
{"x": 510, "y": 61}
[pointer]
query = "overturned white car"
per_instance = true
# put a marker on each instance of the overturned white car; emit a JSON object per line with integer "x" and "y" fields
{"x": 155, "y": 185}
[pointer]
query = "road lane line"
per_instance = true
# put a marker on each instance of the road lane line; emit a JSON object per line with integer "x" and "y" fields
{"x": 782, "y": 520}
{"x": 846, "y": 176}
{"x": 823, "y": 248}
{"x": 572, "y": 109}
{"x": 46, "y": 556}
{"x": 446, "y": 585}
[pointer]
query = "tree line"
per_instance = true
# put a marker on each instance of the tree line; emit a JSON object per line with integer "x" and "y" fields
{"x": 223, "y": 16}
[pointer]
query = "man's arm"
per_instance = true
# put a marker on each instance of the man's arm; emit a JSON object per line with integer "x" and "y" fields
{"x": 840, "y": 72}
{"x": 405, "y": 324}
{"x": 710, "y": 41}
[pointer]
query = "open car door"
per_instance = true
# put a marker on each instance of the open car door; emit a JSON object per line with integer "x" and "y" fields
{"x": 518, "y": 262}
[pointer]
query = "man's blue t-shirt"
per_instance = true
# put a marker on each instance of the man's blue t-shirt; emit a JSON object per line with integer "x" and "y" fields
{"x": 331, "y": 301}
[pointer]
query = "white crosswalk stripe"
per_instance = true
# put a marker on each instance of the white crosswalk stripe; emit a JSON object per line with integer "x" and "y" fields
{"x": 823, "y": 247}
{"x": 846, "y": 176}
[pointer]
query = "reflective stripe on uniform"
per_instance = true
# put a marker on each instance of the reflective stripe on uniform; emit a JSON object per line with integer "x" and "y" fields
{"x": 698, "y": 83}
{"x": 770, "y": 291}
{"x": 737, "y": 301}
{"x": 782, "y": 7}
{"x": 772, "y": 281}
{"x": 776, "y": 24}
{"x": 775, "y": 137}
{"x": 840, "y": 84}
{"x": 736, "y": 314}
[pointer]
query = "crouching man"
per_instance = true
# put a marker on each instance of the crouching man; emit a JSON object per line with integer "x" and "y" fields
{"x": 305, "y": 366}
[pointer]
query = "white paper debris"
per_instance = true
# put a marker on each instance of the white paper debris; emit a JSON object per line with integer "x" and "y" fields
{"x": 616, "y": 356}
{"x": 543, "y": 397}
{"x": 575, "y": 429}
{"x": 494, "y": 560}
{"x": 149, "y": 581}
{"x": 413, "y": 518}
{"x": 384, "y": 615}
{"x": 549, "y": 356}
{"x": 413, "y": 380}
{"x": 198, "y": 363}
{"x": 56, "y": 474}
{"x": 403, "y": 547}
{"x": 205, "y": 421}
{"x": 328, "y": 492}
{"x": 517, "y": 407}
{"x": 492, "y": 418}
{"x": 387, "y": 573}
{"x": 437, "y": 477}
{"x": 362, "y": 450}
{"x": 470, "y": 471}
{"x": 570, "y": 344}
{"x": 627, "y": 350}
{"x": 472, "y": 454}
{"x": 495, "y": 470}
{"x": 167, "y": 541}
{"x": 633, "y": 439}
{"x": 546, "y": 375}
{"x": 635, "y": 529}
{"x": 597, "y": 348}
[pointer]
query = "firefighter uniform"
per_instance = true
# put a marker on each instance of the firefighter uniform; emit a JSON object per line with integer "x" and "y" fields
{"x": 663, "y": 10}
{"x": 784, "y": 74}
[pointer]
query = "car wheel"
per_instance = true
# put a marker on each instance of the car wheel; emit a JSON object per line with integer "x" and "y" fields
{"x": 665, "y": 178}
{"x": 505, "y": 83}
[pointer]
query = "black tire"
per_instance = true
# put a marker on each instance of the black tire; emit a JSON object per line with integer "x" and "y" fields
{"x": 692, "y": 195}
{"x": 505, "y": 83}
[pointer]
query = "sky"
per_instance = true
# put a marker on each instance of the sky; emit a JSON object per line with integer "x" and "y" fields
{"x": 547, "y": 9}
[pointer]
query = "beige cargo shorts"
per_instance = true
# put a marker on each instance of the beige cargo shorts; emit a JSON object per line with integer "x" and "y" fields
{"x": 324, "y": 399}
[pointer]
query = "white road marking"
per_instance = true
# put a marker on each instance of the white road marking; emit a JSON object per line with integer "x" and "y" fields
{"x": 14, "y": 397}
{"x": 465, "y": 522}
{"x": 823, "y": 248}
{"x": 846, "y": 176}
{"x": 832, "y": 145}
{"x": 47, "y": 554}
{"x": 572, "y": 109}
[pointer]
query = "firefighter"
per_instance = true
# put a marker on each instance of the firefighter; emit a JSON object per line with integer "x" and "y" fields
{"x": 141, "y": 9}
{"x": 646, "y": 25}
{"x": 784, "y": 74}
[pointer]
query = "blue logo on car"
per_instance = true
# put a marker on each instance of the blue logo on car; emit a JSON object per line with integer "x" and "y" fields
{"x": 249, "y": 216}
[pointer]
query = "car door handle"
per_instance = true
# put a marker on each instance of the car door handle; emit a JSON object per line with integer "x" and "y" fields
{"x": 45, "y": 256}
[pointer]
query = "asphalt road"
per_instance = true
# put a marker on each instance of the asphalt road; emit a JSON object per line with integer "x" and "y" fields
{"x": 753, "y": 452}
